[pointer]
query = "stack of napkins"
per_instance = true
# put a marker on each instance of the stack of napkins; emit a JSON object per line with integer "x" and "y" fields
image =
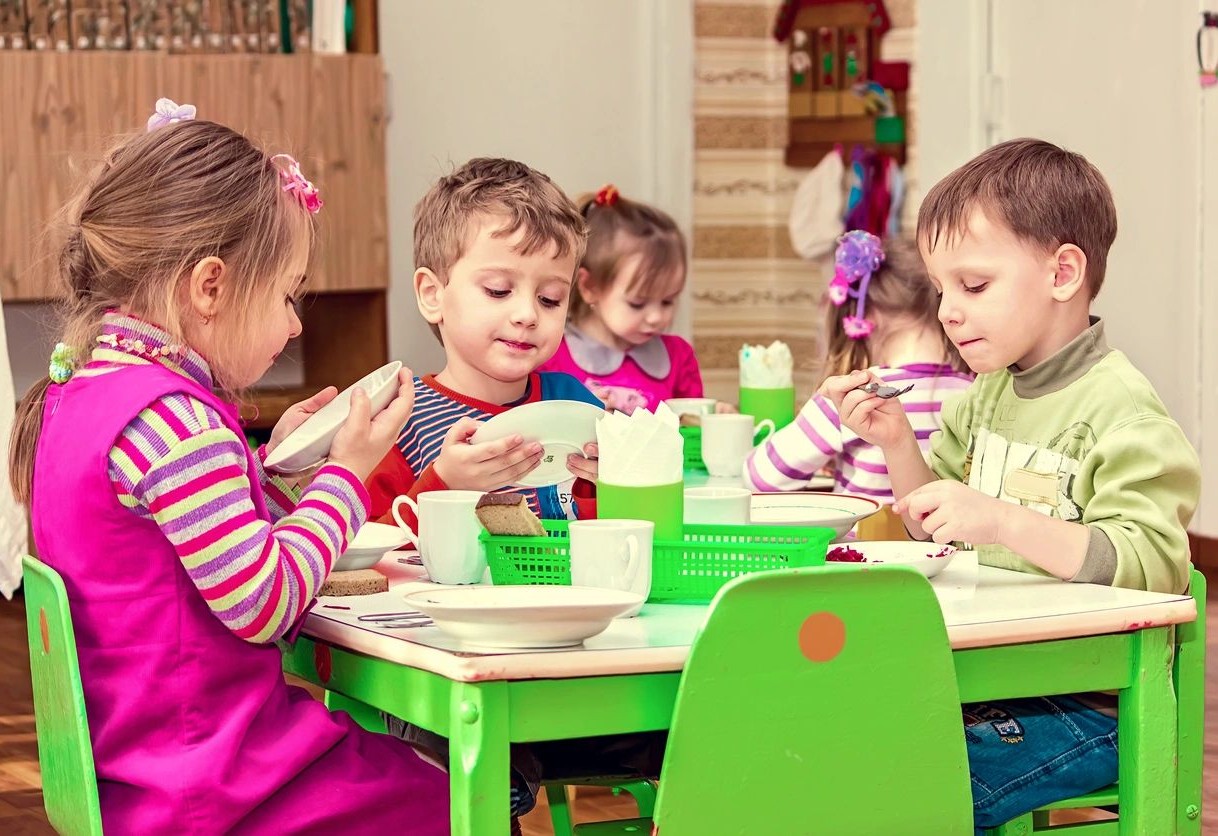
{"x": 766, "y": 367}
{"x": 640, "y": 449}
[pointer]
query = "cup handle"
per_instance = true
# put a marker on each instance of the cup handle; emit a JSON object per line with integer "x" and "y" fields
{"x": 632, "y": 565}
{"x": 411, "y": 535}
{"x": 764, "y": 424}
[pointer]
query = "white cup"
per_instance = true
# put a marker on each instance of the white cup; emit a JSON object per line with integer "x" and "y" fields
{"x": 718, "y": 506}
{"x": 447, "y": 538}
{"x": 691, "y": 406}
{"x": 727, "y": 441}
{"x": 612, "y": 554}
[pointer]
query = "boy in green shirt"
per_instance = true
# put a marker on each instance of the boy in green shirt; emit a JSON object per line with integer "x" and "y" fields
{"x": 1060, "y": 459}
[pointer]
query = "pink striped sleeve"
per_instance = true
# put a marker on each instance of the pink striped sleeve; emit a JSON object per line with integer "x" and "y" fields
{"x": 257, "y": 577}
{"x": 790, "y": 457}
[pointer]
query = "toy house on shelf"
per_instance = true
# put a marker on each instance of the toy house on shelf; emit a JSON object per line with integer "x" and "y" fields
{"x": 839, "y": 92}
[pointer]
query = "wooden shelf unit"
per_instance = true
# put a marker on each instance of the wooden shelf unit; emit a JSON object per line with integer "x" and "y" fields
{"x": 59, "y": 110}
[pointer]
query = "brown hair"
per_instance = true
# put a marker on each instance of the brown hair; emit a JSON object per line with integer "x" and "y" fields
{"x": 899, "y": 288}
{"x": 525, "y": 197}
{"x": 157, "y": 204}
{"x": 619, "y": 229}
{"x": 1044, "y": 194}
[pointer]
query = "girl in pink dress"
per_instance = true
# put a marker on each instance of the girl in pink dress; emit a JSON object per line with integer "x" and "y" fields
{"x": 182, "y": 259}
{"x": 624, "y": 299}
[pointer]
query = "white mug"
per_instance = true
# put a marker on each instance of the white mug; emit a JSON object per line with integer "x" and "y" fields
{"x": 447, "y": 537}
{"x": 727, "y": 441}
{"x": 718, "y": 506}
{"x": 612, "y": 554}
{"x": 691, "y": 406}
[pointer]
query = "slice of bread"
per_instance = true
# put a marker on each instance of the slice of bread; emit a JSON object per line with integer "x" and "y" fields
{"x": 508, "y": 513}
{"x": 355, "y": 582}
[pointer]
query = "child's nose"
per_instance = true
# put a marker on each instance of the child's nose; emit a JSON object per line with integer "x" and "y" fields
{"x": 524, "y": 312}
{"x": 949, "y": 313}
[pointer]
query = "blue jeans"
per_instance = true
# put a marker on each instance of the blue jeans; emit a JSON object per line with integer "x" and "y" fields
{"x": 1023, "y": 754}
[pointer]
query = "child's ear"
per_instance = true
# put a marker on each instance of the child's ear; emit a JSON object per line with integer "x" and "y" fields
{"x": 1070, "y": 272}
{"x": 429, "y": 293}
{"x": 583, "y": 281}
{"x": 206, "y": 287}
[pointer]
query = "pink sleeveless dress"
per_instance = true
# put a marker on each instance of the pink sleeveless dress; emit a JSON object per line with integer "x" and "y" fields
{"x": 194, "y": 730}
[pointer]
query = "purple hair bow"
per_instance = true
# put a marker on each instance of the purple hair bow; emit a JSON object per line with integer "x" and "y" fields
{"x": 168, "y": 111}
{"x": 859, "y": 254}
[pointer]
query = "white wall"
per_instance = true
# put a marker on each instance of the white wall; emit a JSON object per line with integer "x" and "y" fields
{"x": 1115, "y": 80}
{"x": 586, "y": 91}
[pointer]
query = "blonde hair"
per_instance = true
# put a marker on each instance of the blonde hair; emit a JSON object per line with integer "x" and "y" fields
{"x": 619, "y": 229}
{"x": 1044, "y": 194}
{"x": 487, "y": 186}
{"x": 157, "y": 204}
{"x": 899, "y": 288}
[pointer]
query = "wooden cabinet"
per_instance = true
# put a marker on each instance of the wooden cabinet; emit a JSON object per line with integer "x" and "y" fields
{"x": 59, "y": 110}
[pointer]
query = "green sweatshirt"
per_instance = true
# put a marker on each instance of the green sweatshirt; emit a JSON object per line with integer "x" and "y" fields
{"x": 1084, "y": 437}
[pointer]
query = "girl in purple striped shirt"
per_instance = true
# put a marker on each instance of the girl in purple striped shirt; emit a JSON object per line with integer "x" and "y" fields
{"x": 882, "y": 316}
{"x": 181, "y": 262}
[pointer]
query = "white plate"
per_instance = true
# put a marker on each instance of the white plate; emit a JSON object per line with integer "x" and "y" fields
{"x": 562, "y": 427}
{"x": 310, "y": 442}
{"x": 839, "y": 511}
{"x": 522, "y": 616}
{"x": 368, "y": 546}
{"x": 928, "y": 558}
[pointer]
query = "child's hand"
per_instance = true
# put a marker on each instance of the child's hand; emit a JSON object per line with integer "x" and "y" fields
{"x": 585, "y": 468}
{"x": 724, "y": 408}
{"x": 951, "y": 511}
{"x": 879, "y": 421}
{"x": 363, "y": 441}
{"x": 297, "y": 414}
{"x": 487, "y": 465}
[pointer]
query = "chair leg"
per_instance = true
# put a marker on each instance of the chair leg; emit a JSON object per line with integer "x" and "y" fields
{"x": 560, "y": 809}
{"x": 644, "y": 793}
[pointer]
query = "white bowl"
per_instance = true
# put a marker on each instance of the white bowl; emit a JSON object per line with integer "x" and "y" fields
{"x": 928, "y": 558}
{"x": 309, "y": 443}
{"x": 522, "y": 616}
{"x": 691, "y": 406}
{"x": 839, "y": 511}
{"x": 369, "y": 545}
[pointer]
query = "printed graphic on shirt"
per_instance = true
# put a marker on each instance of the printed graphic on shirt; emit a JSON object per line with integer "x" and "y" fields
{"x": 1041, "y": 478}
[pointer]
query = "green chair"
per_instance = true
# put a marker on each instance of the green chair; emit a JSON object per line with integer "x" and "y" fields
{"x": 65, "y": 754}
{"x": 1188, "y": 680}
{"x": 807, "y": 694}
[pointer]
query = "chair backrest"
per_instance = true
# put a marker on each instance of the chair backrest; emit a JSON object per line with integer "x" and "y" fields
{"x": 65, "y": 755}
{"x": 819, "y": 700}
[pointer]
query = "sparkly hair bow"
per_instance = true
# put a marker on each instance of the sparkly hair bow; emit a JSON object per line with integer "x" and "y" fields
{"x": 859, "y": 254}
{"x": 168, "y": 111}
{"x": 295, "y": 182}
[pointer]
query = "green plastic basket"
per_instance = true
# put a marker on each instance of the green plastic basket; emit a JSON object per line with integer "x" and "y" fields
{"x": 693, "y": 448}
{"x": 691, "y": 570}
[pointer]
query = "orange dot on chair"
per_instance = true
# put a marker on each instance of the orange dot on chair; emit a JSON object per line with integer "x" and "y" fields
{"x": 822, "y": 636}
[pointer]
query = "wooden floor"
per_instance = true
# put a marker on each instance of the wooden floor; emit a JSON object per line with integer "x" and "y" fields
{"x": 21, "y": 798}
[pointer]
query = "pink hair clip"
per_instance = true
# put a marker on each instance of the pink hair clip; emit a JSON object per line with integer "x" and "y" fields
{"x": 168, "y": 111}
{"x": 294, "y": 181}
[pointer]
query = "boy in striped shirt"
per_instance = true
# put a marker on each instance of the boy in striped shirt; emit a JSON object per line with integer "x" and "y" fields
{"x": 496, "y": 246}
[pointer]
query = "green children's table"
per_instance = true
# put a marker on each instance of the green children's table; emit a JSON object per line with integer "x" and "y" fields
{"x": 1012, "y": 635}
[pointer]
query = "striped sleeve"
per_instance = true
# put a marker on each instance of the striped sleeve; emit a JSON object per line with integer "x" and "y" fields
{"x": 790, "y": 457}
{"x": 280, "y": 496}
{"x": 179, "y": 465}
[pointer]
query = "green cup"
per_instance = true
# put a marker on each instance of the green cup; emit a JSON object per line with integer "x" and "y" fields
{"x": 776, "y": 404}
{"x": 664, "y": 505}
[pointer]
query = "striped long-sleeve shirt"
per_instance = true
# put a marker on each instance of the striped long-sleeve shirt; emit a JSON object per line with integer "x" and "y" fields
{"x": 178, "y": 464}
{"x": 790, "y": 457}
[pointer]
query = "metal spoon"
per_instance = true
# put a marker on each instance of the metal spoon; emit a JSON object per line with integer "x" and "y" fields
{"x": 882, "y": 391}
